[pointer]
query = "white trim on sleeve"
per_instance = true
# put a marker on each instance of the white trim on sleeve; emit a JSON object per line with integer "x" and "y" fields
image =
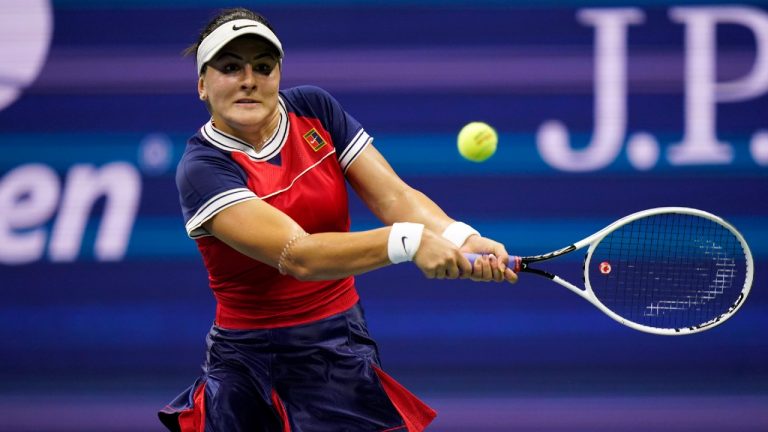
{"x": 356, "y": 146}
{"x": 213, "y": 206}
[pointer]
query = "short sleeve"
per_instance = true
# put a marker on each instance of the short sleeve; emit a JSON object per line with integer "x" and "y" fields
{"x": 348, "y": 135}
{"x": 208, "y": 182}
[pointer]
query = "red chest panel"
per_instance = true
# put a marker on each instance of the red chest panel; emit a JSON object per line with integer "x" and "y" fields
{"x": 307, "y": 184}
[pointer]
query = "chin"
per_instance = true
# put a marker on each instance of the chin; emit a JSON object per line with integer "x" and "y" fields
{"x": 248, "y": 120}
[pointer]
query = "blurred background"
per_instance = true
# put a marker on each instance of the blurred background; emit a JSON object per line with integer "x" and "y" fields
{"x": 603, "y": 108}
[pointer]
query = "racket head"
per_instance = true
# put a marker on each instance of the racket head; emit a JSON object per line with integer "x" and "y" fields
{"x": 669, "y": 270}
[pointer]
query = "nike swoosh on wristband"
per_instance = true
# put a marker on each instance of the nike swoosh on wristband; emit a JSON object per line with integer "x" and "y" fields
{"x": 236, "y": 28}
{"x": 403, "y": 239}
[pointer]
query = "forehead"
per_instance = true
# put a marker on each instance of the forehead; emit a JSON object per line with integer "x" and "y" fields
{"x": 249, "y": 46}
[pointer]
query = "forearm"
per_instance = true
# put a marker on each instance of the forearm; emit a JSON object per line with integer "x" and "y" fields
{"x": 389, "y": 197}
{"x": 410, "y": 205}
{"x": 325, "y": 256}
{"x": 263, "y": 233}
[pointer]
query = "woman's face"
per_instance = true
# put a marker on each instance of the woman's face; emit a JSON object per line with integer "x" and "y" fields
{"x": 240, "y": 86}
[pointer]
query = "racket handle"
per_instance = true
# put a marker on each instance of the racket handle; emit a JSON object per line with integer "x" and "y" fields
{"x": 514, "y": 261}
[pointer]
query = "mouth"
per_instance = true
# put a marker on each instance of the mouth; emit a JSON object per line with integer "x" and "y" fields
{"x": 246, "y": 101}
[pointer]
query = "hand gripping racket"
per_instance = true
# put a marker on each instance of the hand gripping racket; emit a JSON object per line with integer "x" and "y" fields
{"x": 668, "y": 270}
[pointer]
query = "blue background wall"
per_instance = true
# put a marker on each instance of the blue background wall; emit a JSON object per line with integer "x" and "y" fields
{"x": 95, "y": 343}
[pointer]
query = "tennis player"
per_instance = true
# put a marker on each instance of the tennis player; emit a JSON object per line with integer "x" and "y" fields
{"x": 262, "y": 190}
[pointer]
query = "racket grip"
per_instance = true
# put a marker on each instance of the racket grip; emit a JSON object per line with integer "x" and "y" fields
{"x": 514, "y": 261}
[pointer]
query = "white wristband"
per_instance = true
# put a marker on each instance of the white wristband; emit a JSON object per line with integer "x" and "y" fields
{"x": 404, "y": 241}
{"x": 458, "y": 232}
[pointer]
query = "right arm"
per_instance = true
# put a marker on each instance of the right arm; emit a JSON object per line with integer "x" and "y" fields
{"x": 215, "y": 201}
{"x": 260, "y": 231}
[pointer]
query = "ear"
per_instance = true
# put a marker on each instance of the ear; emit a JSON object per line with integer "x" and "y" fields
{"x": 201, "y": 88}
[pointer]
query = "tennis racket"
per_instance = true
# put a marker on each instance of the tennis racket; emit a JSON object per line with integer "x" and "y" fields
{"x": 667, "y": 271}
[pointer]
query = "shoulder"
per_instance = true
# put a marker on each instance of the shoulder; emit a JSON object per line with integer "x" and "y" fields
{"x": 198, "y": 148}
{"x": 307, "y": 93}
{"x": 308, "y": 100}
{"x": 200, "y": 157}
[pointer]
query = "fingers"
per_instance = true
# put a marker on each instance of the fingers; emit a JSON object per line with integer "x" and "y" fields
{"x": 446, "y": 272}
{"x": 446, "y": 267}
{"x": 465, "y": 268}
{"x": 439, "y": 259}
{"x": 482, "y": 269}
{"x": 492, "y": 265}
{"x": 485, "y": 269}
{"x": 452, "y": 272}
{"x": 510, "y": 276}
{"x": 496, "y": 269}
{"x": 490, "y": 268}
{"x": 477, "y": 269}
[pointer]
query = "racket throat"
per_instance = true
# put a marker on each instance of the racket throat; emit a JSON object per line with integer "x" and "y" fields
{"x": 524, "y": 267}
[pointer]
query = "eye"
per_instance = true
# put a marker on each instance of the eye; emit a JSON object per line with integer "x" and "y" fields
{"x": 263, "y": 68}
{"x": 230, "y": 68}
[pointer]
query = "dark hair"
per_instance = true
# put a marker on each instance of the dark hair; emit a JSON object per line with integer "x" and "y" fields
{"x": 224, "y": 16}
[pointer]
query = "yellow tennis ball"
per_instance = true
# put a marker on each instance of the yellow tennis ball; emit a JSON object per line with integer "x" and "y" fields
{"x": 477, "y": 141}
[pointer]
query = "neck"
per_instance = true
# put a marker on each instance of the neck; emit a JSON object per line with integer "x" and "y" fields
{"x": 255, "y": 135}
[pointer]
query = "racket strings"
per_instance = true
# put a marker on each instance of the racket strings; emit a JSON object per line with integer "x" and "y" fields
{"x": 669, "y": 270}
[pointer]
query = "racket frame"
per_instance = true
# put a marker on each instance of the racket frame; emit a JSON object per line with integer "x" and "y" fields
{"x": 522, "y": 265}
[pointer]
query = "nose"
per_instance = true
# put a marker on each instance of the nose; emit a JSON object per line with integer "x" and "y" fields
{"x": 249, "y": 78}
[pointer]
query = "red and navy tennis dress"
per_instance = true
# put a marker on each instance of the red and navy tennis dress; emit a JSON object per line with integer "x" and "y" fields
{"x": 284, "y": 355}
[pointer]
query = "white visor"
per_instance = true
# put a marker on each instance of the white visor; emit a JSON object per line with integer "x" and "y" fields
{"x": 228, "y": 31}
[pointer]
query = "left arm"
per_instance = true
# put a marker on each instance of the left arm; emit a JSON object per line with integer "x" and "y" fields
{"x": 389, "y": 197}
{"x": 392, "y": 200}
